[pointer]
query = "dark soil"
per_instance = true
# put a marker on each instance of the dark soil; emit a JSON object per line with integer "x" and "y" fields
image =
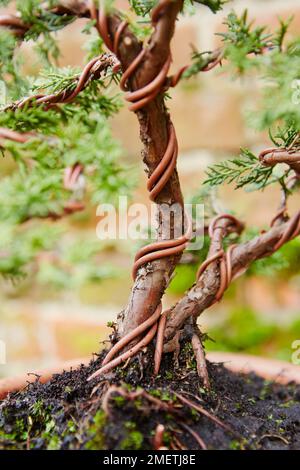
{"x": 66, "y": 413}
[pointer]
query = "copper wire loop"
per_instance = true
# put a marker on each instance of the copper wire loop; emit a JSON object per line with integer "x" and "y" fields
{"x": 143, "y": 96}
{"x": 278, "y": 216}
{"x": 71, "y": 175}
{"x": 225, "y": 258}
{"x": 292, "y": 231}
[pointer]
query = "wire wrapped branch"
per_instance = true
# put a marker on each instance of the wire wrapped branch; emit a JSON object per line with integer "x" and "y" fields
{"x": 92, "y": 71}
{"x": 223, "y": 257}
{"x": 77, "y": 8}
{"x": 206, "y": 290}
{"x": 72, "y": 175}
{"x": 274, "y": 155}
{"x": 144, "y": 95}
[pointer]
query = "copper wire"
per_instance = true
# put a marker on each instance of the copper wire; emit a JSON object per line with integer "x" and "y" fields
{"x": 132, "y": 335}
{"x": 291, "y": 232}
{"x": 69, "y": 95}
{"x": 127, "y": 354}
{"x": 71, "y": 174}
{"x": 273, "y": 155}
{"x": 143, "y": 96}
{"x": 225, "y": 258}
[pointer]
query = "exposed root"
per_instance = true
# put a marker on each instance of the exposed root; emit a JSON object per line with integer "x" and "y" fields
{"x": 158, "y": 438}
{"x": 195, "y": 435}
{"x": 166, "y": 407}
{"x": 273, "y": 436}
{"x": 159, "y": 343}
{"x": 203, "y": 411}
{"x": 161, "y": 405}
{"x": 114, "y": 389}
{"x": 123, "y": 357}
{"x": 178, "y": 443}
{"x": 131, "y": 336}
{"x": 200, "y": 360}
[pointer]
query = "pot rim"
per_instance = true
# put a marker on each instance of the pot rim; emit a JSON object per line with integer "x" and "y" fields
{"x": 270, "y": 369}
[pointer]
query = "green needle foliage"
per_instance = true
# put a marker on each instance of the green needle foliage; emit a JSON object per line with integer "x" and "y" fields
{"x": 32, "y": 190}
{"x": 142, "y": 7}
{"x": 275, "y": 61}
{"x": 242, "y": 34}
{"x": 245, "y": 171}
{"x": 213, "y": 5}
{"x": 42, "y": 22}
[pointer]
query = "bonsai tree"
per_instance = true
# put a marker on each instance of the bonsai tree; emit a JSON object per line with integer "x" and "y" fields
{"x": 55, "y": 127}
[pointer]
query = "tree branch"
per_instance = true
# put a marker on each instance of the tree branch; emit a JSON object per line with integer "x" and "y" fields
{"x": 79, "y": 8}
{"x": 202, "y": 295}
{"x": 273, "y": 156}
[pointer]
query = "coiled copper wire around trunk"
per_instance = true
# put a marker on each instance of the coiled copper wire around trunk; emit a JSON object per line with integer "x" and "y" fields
{"x": 155, "y": 185}
{"x": 143, "y": 96}
{"x": 140, "y": 98}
